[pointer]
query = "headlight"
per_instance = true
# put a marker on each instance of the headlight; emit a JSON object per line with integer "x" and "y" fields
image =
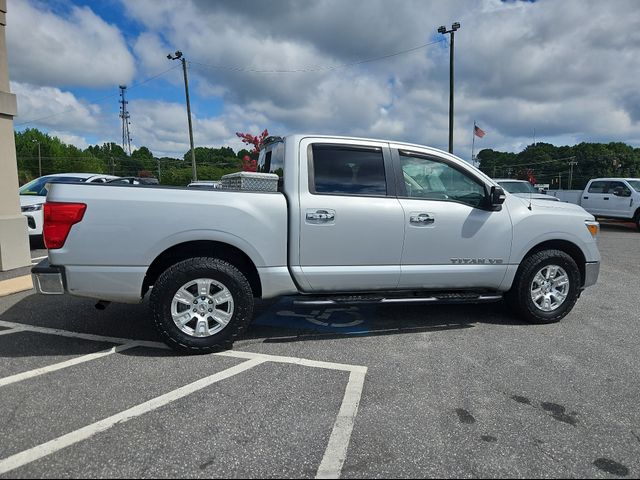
{"x": 32, "y": 208}
{"x": 593, "y": 227}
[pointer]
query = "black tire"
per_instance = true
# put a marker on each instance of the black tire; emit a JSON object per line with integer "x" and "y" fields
{"x": 636, "y": 219}
{"x": 519, "y": 297}
{"x": 175, "y": 277}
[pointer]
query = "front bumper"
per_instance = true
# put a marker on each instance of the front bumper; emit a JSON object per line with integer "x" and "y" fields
{"x": 48, "y": 279}
{"x": 591, "y": 272}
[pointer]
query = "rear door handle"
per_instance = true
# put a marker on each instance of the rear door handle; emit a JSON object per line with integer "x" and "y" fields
{"x": 606, "y": 198}
{"x": 320, "y": 216}
{"x": 421, "y": 219}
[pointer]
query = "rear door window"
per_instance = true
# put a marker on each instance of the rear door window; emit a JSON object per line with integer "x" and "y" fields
{"x": 598, "y": 186}
{"x": 348, "y": 170}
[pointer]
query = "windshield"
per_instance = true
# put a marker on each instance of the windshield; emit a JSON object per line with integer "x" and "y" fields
{"x": 518, "y": 187}
{"x": 37, "y": 186}
{"x": 635, "y": 184}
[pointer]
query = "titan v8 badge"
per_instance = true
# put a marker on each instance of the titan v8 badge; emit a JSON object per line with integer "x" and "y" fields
{"x": 477, "y": 261}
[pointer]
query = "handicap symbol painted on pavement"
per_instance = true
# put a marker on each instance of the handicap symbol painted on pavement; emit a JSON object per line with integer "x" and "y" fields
{"x": 335, "y": 319}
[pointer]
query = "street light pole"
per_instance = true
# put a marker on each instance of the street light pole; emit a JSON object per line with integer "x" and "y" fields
{"x": 178, "y": 56}
{"x": 39, "y": 158}
{"x": 443, "y": 30}
{"x": 571, "y": 164}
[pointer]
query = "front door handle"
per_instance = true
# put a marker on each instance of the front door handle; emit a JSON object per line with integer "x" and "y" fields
{"x": 421, "y": 219}
{"x": 606, "y": 198}
{"x": 321, "y": 216}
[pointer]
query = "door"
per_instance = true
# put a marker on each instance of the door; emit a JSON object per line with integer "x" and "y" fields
{"x": 452, "y": 241}
{"x": 351, "y": 223}
{"x": 593, "y": 201}
{"x": 619, "y": 199}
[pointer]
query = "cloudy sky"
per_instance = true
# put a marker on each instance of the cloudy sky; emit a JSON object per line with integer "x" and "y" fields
{"x": 567, "y": 68}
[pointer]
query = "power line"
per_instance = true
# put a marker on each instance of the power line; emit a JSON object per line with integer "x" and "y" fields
{"x": 534, "y": 163}
{"x": 320, "y": 68}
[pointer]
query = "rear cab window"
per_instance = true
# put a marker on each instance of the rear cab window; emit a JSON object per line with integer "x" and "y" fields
{"x": 271, "y": 159}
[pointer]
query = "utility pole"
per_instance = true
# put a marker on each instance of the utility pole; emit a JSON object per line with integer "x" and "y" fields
{"x": 443, "y": 30}
{"x": 39, "y": 158}
{"x": 178, "y": 56}
{"x": 560, "y": 181}
{"x": 124, "y": 115}
{"x": 571, "y": 164}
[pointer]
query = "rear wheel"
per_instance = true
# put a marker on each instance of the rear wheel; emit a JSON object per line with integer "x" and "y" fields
{"x": 636, "y": 219}
{"x": 201, "y": 305}
{"x": 546, "y": 287}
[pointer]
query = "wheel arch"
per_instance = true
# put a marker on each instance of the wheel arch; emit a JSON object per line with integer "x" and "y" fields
{"x": 570, "y": 248}
{"x": 203, "y": 248}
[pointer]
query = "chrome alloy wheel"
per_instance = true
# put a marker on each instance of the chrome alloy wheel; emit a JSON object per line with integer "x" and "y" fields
{"x": 550, "y": 288}
{"x": 202, "y": 307}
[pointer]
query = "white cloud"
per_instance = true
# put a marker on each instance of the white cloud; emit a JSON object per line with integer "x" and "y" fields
{"x": 568, "y": 69}
{"x": 163, "y": 127}
{"x": 559, "y": 68}
{"x": 70, "y": 139}
{"x": 77, "y": 48}
{"x": 55, "y": 108}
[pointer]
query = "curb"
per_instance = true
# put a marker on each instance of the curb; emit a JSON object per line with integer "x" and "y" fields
{"x": 15, "y": 285}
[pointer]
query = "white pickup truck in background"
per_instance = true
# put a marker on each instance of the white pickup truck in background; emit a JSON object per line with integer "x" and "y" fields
{"x": 616, "y": 198}
{"x": 348, "y": 220}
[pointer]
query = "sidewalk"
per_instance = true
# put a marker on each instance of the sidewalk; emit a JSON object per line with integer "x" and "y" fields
{"x": 16, "y": 280}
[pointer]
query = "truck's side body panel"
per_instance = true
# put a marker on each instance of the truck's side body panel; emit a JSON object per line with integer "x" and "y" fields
{"x": 125, "y": 228}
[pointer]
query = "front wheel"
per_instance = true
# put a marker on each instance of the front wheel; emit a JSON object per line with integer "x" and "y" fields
{"x": 546, "y": 287}
{"x": 201, "y": 305}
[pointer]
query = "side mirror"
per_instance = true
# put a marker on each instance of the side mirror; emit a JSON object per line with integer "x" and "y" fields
{"x": 497, "y": 196}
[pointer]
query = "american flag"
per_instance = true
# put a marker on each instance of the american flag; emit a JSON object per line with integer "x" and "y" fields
{"x": 477, "y": 131}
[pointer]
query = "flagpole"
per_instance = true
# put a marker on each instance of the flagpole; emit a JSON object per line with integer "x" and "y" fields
{"x": 473, "y": 142}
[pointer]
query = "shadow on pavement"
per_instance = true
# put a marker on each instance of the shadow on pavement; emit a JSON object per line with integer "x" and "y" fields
{"x": 274, "y": 322}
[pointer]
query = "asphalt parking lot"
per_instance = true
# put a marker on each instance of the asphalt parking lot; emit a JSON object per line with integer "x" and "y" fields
{"x": 366, "y": 392}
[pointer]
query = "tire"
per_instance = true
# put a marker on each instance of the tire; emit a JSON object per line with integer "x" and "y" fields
{"x": 216, "y": 297}
{"x": 542, "y": 275}
{"x": 636, "y": 219}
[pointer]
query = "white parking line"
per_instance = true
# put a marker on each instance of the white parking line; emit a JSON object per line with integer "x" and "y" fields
{"x": 335, "y": 453}
{"x": 52, "y": 446}
{"x": 68, "y": 363}
{"x": 83, "y": 336}
{"x": 11, "y": 330}
{"x": 296, "y": 361}
{"x": 37, "y": 259}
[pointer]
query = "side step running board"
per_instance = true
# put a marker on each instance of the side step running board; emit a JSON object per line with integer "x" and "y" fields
{"x": 436, "y": 297}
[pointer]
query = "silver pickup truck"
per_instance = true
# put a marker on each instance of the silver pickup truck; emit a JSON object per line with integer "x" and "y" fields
{"x": 352, "y": 220}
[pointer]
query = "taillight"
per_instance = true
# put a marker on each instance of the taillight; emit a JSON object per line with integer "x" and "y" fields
{"x": 59, "y": 217}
